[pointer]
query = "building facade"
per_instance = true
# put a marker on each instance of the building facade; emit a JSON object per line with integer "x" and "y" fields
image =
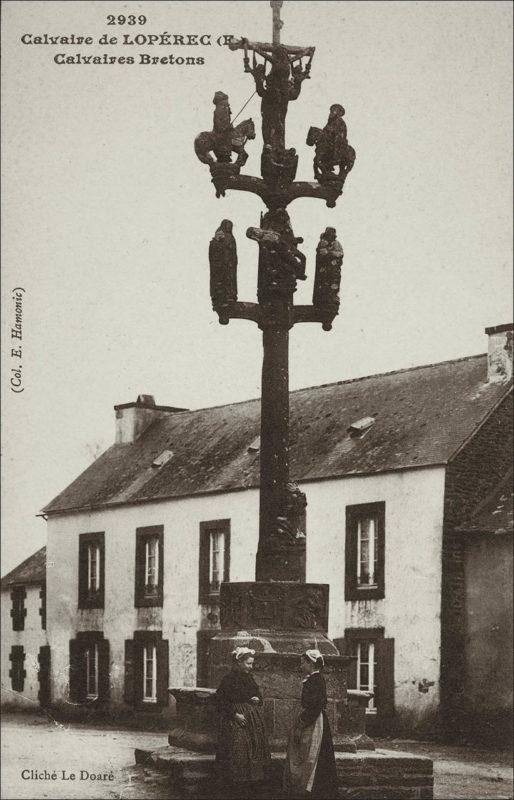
{"x": 487, "y": 697}
{"x": 25, "y": 667}
{"x": 139, "y": 544}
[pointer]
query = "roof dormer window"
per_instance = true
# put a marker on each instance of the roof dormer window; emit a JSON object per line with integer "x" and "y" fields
{"x": 255, "y": 446}
{"x": 163, "y": 459}
{"x": 361, "y": 426}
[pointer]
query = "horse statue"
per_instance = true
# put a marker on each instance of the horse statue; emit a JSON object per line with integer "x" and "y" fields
{"x": 332, "y": 148}
{"x": 222, "y": 145}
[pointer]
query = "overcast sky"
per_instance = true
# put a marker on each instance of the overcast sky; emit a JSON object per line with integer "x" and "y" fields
{"x": 107, "y": 213}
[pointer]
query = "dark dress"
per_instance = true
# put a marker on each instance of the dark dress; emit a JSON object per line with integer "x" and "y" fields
{"x": 242, "y": 754}
{"x": 310, "y": 764}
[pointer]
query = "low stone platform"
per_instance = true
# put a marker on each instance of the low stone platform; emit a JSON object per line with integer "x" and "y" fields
{"x": 365, "y": 775}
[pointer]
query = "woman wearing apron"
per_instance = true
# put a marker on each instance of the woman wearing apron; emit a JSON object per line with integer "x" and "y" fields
{"x": 310, "y": 769}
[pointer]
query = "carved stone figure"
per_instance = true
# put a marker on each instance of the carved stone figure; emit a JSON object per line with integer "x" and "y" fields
{"x": 277, "y": 88}
{"x": 331, "y": 147}
{"x": 291, "y": 524}
{"x": 308, "y": 613}
{"x": 327, "y": 280}
{"x": 223, "y": 268}
{"x": 215, "y": 147}
{"x": 222, "y": 113}
{"x": 278, "y": 169}
{"x": 299, "y": 74}
{"x": 281, "y": 264}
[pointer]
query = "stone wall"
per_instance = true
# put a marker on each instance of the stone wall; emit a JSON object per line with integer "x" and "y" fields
{"x": 470, "y": 476}
{"x": 377, "y": 775}
{"x": 488, "y": 562}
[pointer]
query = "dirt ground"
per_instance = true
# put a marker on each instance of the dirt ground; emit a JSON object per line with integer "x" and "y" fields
{"x": 32, "y": 744}
{"x": 462, "y": 773}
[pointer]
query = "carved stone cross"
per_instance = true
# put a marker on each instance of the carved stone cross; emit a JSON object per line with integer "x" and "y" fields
{"x": 278, "y": 79}
{"x": 276, "y": 5}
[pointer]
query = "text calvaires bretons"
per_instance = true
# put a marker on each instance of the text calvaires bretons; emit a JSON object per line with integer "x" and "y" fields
{"x": 129, "y": 40}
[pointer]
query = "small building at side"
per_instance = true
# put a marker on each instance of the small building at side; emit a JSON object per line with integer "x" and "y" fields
{"x": 488, "y": 581}
{"x": 25, "y": 664}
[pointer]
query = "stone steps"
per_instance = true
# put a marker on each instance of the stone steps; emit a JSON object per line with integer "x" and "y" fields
{"x": 365, "y": 775}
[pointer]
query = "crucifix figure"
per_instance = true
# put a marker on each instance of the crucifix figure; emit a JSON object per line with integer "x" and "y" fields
{"x": 281, "y": 84}
{"x": 278, "y": 80}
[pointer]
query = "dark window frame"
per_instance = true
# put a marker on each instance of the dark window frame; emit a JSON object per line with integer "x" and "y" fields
{"x": 77, "y": 670}
{"x": 17, "y": 672}
{"x": 43, "y": 675}
{"x": 145, "y": 596}
{"x": 384, "y": 657}
{"x": 134, "y": 653}
{"x": 18, "y": 610}
{"x": 42, "y": 608}
{"x": 353, "y": 514}
{"x": 89, "y": 598}
{"x": 203, "y": 639}
{"x": 206, "y": 595}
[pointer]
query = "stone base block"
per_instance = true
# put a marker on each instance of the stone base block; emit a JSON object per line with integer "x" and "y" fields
{"x": 376, "y": 775}
{"x": 277, "y": 670}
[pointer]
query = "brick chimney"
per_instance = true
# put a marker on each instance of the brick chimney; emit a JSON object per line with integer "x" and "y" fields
{"x": 499, "y": 355}
{"x": 132, "y": 419}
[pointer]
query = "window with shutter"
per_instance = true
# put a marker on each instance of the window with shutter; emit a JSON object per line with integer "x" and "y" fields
{"x": 18, "y": 610}
{"x": 17, "y": 672}
{"x": 146, "y": 670}
{"x": 374, "y": 667}
{"x": 365, "y": 552}
{"x": 89, "y": 668}
{"x": 149, "y": 572}
{"x": 42, "y": 609}
{"x": 214, "y": 552}
{"x": 91, "y": 570}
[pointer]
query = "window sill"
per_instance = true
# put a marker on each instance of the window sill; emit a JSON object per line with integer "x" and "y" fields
{"x": 148, "y": 705}
{"x": 375, "y": 592}
{"x": 148, "y": 602}
{"x": 91, "y": 601}
{"x": 213, "y": 598}
{"x": 91, "y": 702}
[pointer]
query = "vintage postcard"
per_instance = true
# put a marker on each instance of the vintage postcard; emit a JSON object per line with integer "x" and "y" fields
{"x": 289, "y": 533}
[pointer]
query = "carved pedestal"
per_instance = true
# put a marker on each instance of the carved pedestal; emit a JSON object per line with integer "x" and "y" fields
{"x": 280, "y": 621}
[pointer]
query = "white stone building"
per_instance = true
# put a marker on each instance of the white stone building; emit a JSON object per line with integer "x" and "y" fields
{"x": 138, "y": 544}
{"x": 25, "y": 653}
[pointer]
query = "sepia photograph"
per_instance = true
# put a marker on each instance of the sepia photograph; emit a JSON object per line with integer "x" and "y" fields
{"x": 257, "y": 345}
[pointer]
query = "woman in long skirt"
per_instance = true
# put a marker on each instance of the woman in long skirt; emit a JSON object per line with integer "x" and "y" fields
{"x": 310, "y": 769}
{"x": 243, "y": 755}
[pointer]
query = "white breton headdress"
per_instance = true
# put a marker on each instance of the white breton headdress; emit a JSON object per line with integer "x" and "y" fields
{"x": 242, "y": 652}
{"x": 314, "y": 655}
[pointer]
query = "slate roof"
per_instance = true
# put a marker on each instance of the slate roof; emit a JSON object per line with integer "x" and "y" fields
{"x": 32, "y": 570}
{"x": 423, "y": 415}
{"x": 495, "y": 513}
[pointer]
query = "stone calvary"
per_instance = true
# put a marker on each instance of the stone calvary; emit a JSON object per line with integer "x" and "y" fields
{"x": 279, "y": 615}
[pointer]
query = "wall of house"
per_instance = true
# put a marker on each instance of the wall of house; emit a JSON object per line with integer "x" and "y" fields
{"x": 471, "y": 475}
{"x": 180, "y": 617}
{"x": 488, "y": 632}
{"x": 31, "y": 638}
{"x": 409, "y": 612}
